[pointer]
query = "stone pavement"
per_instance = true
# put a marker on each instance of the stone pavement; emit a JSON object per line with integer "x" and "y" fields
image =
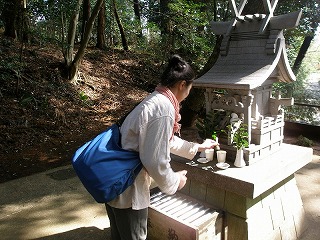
{"x": 53, "y": 205}
{"x": 308, "y": 181}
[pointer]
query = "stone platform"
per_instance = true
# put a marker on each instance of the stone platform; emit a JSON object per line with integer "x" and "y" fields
{"x": 260, "y": 201}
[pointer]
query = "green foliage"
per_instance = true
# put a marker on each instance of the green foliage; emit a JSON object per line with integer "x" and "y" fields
{"x": 48, "y": 19}
{"x": 11, "y": 68}
{"x": 294, "y": 39}
{"x": 83, "y": 97}
{"x": 302, "y": 114}
{"x": 34, "y": 101}
{"x": 189, "y": 23}
{"x": 299, "y": 91}
{"x": 240, "y": 137}
{"x": 210, "y": 126}
{"x": 304, "y": 141}
{"x": 26, "y": 99}
{"x": 310, "y": 13}
{"x": 150, "y": 43}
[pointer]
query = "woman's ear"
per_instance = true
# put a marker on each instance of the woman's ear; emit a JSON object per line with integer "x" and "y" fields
{"x": 182, "y": 84}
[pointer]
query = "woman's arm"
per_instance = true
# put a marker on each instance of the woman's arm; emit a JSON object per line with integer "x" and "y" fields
{"x": 187, "y": 149}
{"x": 154, "y": 150}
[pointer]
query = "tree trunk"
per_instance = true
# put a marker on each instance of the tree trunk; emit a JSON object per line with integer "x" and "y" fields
{"x": 166, "y": 25}
{"x": 101, "y": 38}
{"x": 85, "y": 15}
{"x": 136, "y": 8}
{"x": 123, "y": 37}
{"x": 68, "y": 51}
{"x": 165, "y": 21}
{"x": 9, "y": 15}
{"x": 73, "y": 66}
{"x": 302, "y": 53}
{"x": 23, "y": 21}
{"x": 23, "y": 25}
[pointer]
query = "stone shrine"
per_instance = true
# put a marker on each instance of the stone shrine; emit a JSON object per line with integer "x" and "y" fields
{"x": 252, "y": 58}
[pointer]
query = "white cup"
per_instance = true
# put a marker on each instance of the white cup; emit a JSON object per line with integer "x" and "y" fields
{"x": 209, "y": 154}
{"x": 221, "y": 156}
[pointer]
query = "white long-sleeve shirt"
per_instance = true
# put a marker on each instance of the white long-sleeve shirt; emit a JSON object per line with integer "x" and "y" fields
{"x": 148, "y": 130}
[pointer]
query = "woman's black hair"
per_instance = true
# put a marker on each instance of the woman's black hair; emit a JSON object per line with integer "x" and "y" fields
{"x": 177, "y": 70}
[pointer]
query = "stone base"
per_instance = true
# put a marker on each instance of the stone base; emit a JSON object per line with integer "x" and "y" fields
{"x": 260, "y": 201}
{"x": 276, "y": 214}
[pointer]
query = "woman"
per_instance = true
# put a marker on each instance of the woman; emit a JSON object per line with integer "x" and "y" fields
{"x": 149, "y": 129}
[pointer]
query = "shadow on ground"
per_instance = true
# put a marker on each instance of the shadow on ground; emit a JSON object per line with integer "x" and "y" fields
{"x": 50, "y": 205}
{"x": 84, "y": 232}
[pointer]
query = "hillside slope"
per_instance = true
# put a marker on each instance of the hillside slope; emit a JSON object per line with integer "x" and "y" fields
{"x": 44, "y": 118}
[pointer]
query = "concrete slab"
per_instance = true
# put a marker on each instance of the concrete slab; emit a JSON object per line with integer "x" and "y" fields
{"x": 54, "y": 205}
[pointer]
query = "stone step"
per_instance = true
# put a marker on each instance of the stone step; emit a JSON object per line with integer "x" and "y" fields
{"x": 180, "y": 216}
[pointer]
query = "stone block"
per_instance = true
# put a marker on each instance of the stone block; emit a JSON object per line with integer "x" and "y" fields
{"x": 198, "y": 189}
{"x": 277, "y": 133}
{"x": 186, "y": 188}
{"x": 216, "y": 197}
{"x": 267, "y": 198}
{"x": 260, "y": 220}
{"x": 277, "y": 214}
{"x": 288, "y": 231}
{"x": 291, "y": 200}
{"x": 236, "y": 228}
{"x": 279, "y": 190}
{"x": 236, "y": 204}
{"x": 254, "y": 207}
{"x": 274, "y": 235}
{"x": 261, "y": 201}
{"x": 300, "y": 221}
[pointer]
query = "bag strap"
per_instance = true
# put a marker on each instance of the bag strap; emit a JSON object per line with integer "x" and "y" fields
{"x": 121, "y": 120}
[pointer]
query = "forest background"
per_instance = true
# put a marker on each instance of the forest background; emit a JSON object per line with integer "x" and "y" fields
{"x": 68, "y": 69}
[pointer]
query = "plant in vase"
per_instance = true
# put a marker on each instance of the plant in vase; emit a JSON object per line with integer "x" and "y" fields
{"x": 214, "y": 136}
{"x": 240, "y": 141}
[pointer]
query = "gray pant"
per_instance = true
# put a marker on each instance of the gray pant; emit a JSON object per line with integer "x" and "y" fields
{"x": 127, "y": 224}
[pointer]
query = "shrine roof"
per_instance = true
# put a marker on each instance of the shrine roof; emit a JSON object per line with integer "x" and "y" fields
{"x": 248, "y": 57}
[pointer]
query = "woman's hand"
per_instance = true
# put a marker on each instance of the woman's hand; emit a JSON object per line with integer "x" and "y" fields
{"x": 207, "y": 144}
{"x": 183, "y": 178}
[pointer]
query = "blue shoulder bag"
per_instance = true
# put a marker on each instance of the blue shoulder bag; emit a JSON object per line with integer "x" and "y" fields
{"x": 105, "y": 169}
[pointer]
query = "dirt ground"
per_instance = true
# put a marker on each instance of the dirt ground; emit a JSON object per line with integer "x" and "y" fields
{"x": 45, "y": 118}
